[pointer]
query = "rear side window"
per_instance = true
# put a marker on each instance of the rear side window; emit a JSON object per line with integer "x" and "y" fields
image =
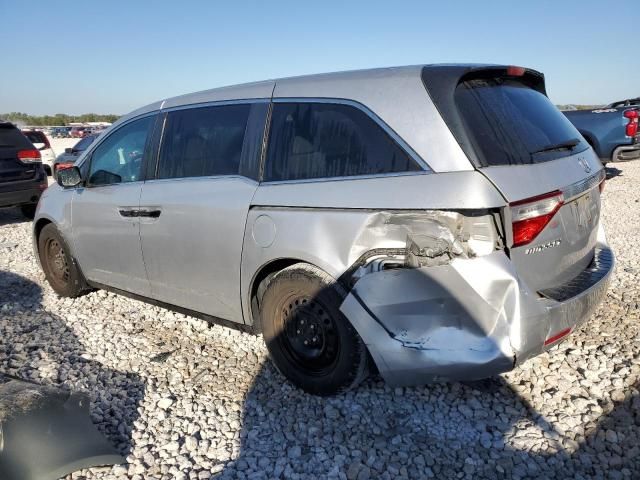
{"x": 204, "y": 141}
{"x": 512, "y": 124}
{"x": 36, "y": 137}
{"x": 321, "y": 140}
{"x": 10, "y": 136}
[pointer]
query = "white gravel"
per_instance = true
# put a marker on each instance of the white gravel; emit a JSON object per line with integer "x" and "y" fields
{"x": 185, "y": 400}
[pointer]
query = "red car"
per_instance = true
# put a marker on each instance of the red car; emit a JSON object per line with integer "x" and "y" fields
{"x": 78, "y": 132}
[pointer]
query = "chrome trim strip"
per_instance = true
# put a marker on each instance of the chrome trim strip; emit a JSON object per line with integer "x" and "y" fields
{"x": 217, "y": 103}
{"x": 342, "y": 179}
{"x": 572, "y": 192}
{"x": 201, "y": 178}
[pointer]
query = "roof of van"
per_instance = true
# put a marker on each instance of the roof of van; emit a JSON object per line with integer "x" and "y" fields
{"x": 312, "y": 85}
{"x": 396, "y": 95}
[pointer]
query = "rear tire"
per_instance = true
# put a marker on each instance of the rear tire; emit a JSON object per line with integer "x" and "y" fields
{"x": 60, "y": 269}
{"x": 309, "y": 340}
{"x": 29, "y": 211}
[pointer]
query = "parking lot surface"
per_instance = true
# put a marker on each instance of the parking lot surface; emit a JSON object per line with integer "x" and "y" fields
{"x": 182, "y": 399}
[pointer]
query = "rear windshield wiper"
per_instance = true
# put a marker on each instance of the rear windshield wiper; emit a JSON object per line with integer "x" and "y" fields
{"x": 566, "y": 145}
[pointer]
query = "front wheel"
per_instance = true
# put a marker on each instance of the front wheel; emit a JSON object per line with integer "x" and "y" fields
{"x": 61, "y": 271}
{"x": 309, "y": 340}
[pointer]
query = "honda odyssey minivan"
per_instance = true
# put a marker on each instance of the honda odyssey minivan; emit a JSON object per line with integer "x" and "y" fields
{"x": 428, "y": 222}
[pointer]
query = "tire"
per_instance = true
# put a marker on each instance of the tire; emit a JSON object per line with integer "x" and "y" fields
{"x": 301, "y": 304}
{"x": 60, "y": 269}
{"x": 29, "y": 211}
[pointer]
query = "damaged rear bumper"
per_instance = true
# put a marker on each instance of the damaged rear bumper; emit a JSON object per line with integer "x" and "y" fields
{"x": 467, "y": 320}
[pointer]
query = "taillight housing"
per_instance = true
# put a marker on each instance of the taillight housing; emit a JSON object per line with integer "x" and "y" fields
{"x": 29, "y": 156}
{"x": 632, "y": 126}
{"x": 63, "y": 166}
{"x": 531, "y": 215}
{"x": 515, "y": 71}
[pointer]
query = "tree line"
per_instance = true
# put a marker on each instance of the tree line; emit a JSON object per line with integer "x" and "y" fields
{"x": 57, "y": 119}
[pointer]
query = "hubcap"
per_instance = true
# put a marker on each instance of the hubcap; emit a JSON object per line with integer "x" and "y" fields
{"x": 57, "y": 261}
{"x": 310, "y": 336}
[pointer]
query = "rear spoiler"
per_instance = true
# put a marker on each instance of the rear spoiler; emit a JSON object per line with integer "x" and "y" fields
{"x": 441, "y": 81}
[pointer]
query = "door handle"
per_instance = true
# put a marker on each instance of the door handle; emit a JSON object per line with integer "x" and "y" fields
{"x": 133, "y": 213}
{"x": 149, "y": 213}
{"x": 130, "y": 213}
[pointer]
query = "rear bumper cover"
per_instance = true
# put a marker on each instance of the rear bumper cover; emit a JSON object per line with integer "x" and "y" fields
{"x": 14, "y": 195}
{"x": 470, "y": 319}
{"x": 626, "y": 153}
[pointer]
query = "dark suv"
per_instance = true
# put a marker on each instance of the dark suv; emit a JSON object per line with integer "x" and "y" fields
{"x": 22, "y": 176}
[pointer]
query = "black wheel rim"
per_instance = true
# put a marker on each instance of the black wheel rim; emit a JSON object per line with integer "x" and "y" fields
{"x": 57, "y": 261}
{"x": 309, "y": 336}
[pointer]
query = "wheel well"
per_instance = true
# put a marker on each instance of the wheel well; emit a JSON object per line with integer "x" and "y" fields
{"x": 263, "y": 274}
{"x": 589, "y": 139}
{"x": 40, "y": 224}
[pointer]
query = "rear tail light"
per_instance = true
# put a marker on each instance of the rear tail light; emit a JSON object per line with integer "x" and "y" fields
{"x": 515, "y": 71}
{"x": 601, "y": 186}
{"x": 632, "y": 126}
{"x": 530, "y": 216}
{"x": 63, "y": 166}
{"x": 29, "y": 156}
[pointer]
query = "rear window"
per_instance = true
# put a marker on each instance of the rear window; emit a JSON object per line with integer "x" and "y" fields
{"x": 509, "y": 123}
{"x": 321, "y": 140}
{"x": 36, "y": 137}
{"x": 10, "y": 136}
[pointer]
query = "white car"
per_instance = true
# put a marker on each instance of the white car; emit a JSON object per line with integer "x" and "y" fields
{"x": 41, "y": 142}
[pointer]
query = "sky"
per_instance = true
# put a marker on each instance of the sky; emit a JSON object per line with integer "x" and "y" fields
{"x": 113, "y": 56}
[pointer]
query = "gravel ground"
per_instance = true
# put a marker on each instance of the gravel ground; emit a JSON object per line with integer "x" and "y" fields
{"x": 184, "y": 400}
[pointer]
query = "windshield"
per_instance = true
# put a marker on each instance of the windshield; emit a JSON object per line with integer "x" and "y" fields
{"x": 510, "y": 123}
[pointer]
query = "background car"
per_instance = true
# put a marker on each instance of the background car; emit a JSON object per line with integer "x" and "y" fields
{"x": 612, "y": 131}
{"x": 41, "y": 142}
{"x": 22, "y": 176}
{"x": 629, "y": 102}
{"x": 70, "y": 155}
{"x": 60, "y": 132}
{"x": 78, "y": 132}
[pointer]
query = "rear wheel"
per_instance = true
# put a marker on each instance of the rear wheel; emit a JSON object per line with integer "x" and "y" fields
{"x": 59, "y": 268}
{"x": 29, "y": 211}
{"x": 308, "y": 338}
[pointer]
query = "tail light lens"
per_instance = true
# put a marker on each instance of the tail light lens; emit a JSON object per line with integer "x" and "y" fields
{"x": 63, "y": 166}
{"x": 632, "y": 126}
{"x": 29, "y": 156}
{"x": 515, "y": 71}
{"x": 530, "y": 216}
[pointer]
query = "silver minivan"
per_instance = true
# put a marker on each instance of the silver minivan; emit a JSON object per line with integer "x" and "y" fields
{"x": 428, "y": 222}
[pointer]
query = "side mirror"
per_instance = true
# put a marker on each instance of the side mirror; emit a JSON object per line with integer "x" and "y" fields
{"x": 68, "y": 150}
{"x": 69, "y": 177}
